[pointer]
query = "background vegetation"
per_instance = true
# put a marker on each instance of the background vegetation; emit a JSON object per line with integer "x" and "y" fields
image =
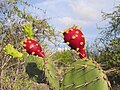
{"x": 106, "y": 48}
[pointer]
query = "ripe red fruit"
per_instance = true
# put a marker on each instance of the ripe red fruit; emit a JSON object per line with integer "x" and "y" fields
{"x": 75, "y": 39}
{"x": 33, "y": 47}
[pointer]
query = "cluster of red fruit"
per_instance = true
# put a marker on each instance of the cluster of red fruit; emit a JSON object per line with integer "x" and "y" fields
{"x": 75, "y": 39}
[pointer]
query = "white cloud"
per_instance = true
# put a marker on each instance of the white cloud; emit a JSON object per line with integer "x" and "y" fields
{"x": 90, "y": 10}
{"x": 85, "y": 11}
{"x": 68, "y": 21}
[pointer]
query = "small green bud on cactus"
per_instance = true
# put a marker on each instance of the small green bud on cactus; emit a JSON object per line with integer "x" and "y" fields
{"x": 9, "y": 49}
{"x": 27, "y": 29}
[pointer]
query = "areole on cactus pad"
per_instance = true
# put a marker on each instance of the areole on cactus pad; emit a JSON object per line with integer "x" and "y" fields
{"x": 33, "y": 47}
{"x": 75, "y": 39}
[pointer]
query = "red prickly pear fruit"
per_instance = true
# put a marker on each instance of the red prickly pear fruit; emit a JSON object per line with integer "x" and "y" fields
{"x": 33, "y": 47}
{"x": 81, "y": 52}
{"x": 41, "y": 54}
{"x": 75, "y": 39}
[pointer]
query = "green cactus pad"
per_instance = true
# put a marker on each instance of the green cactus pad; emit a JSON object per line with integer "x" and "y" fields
{"x": 85, "y": 75}
{"x": 27, "y": 28}
{"x": 33, "y": 59}
{"x": 34, "y": 67}
{"x": 50, "y": 73}
{"x": 9, "y": 49}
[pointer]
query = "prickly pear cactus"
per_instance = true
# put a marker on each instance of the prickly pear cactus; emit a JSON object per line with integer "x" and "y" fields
{"x": 27, "y": 29}
{"x": 9, "y": 49}
{"x": 35, "y": 66}
{"x": 85, "y": 75}
{"x": 38, "y": 67}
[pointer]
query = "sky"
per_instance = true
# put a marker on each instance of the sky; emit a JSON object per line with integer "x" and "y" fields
{"x": 86, "y": 14}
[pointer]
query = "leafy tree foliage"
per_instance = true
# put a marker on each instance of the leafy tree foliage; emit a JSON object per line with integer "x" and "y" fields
{"x": 106, "y": 49}
{"x": 112, "y": 31}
